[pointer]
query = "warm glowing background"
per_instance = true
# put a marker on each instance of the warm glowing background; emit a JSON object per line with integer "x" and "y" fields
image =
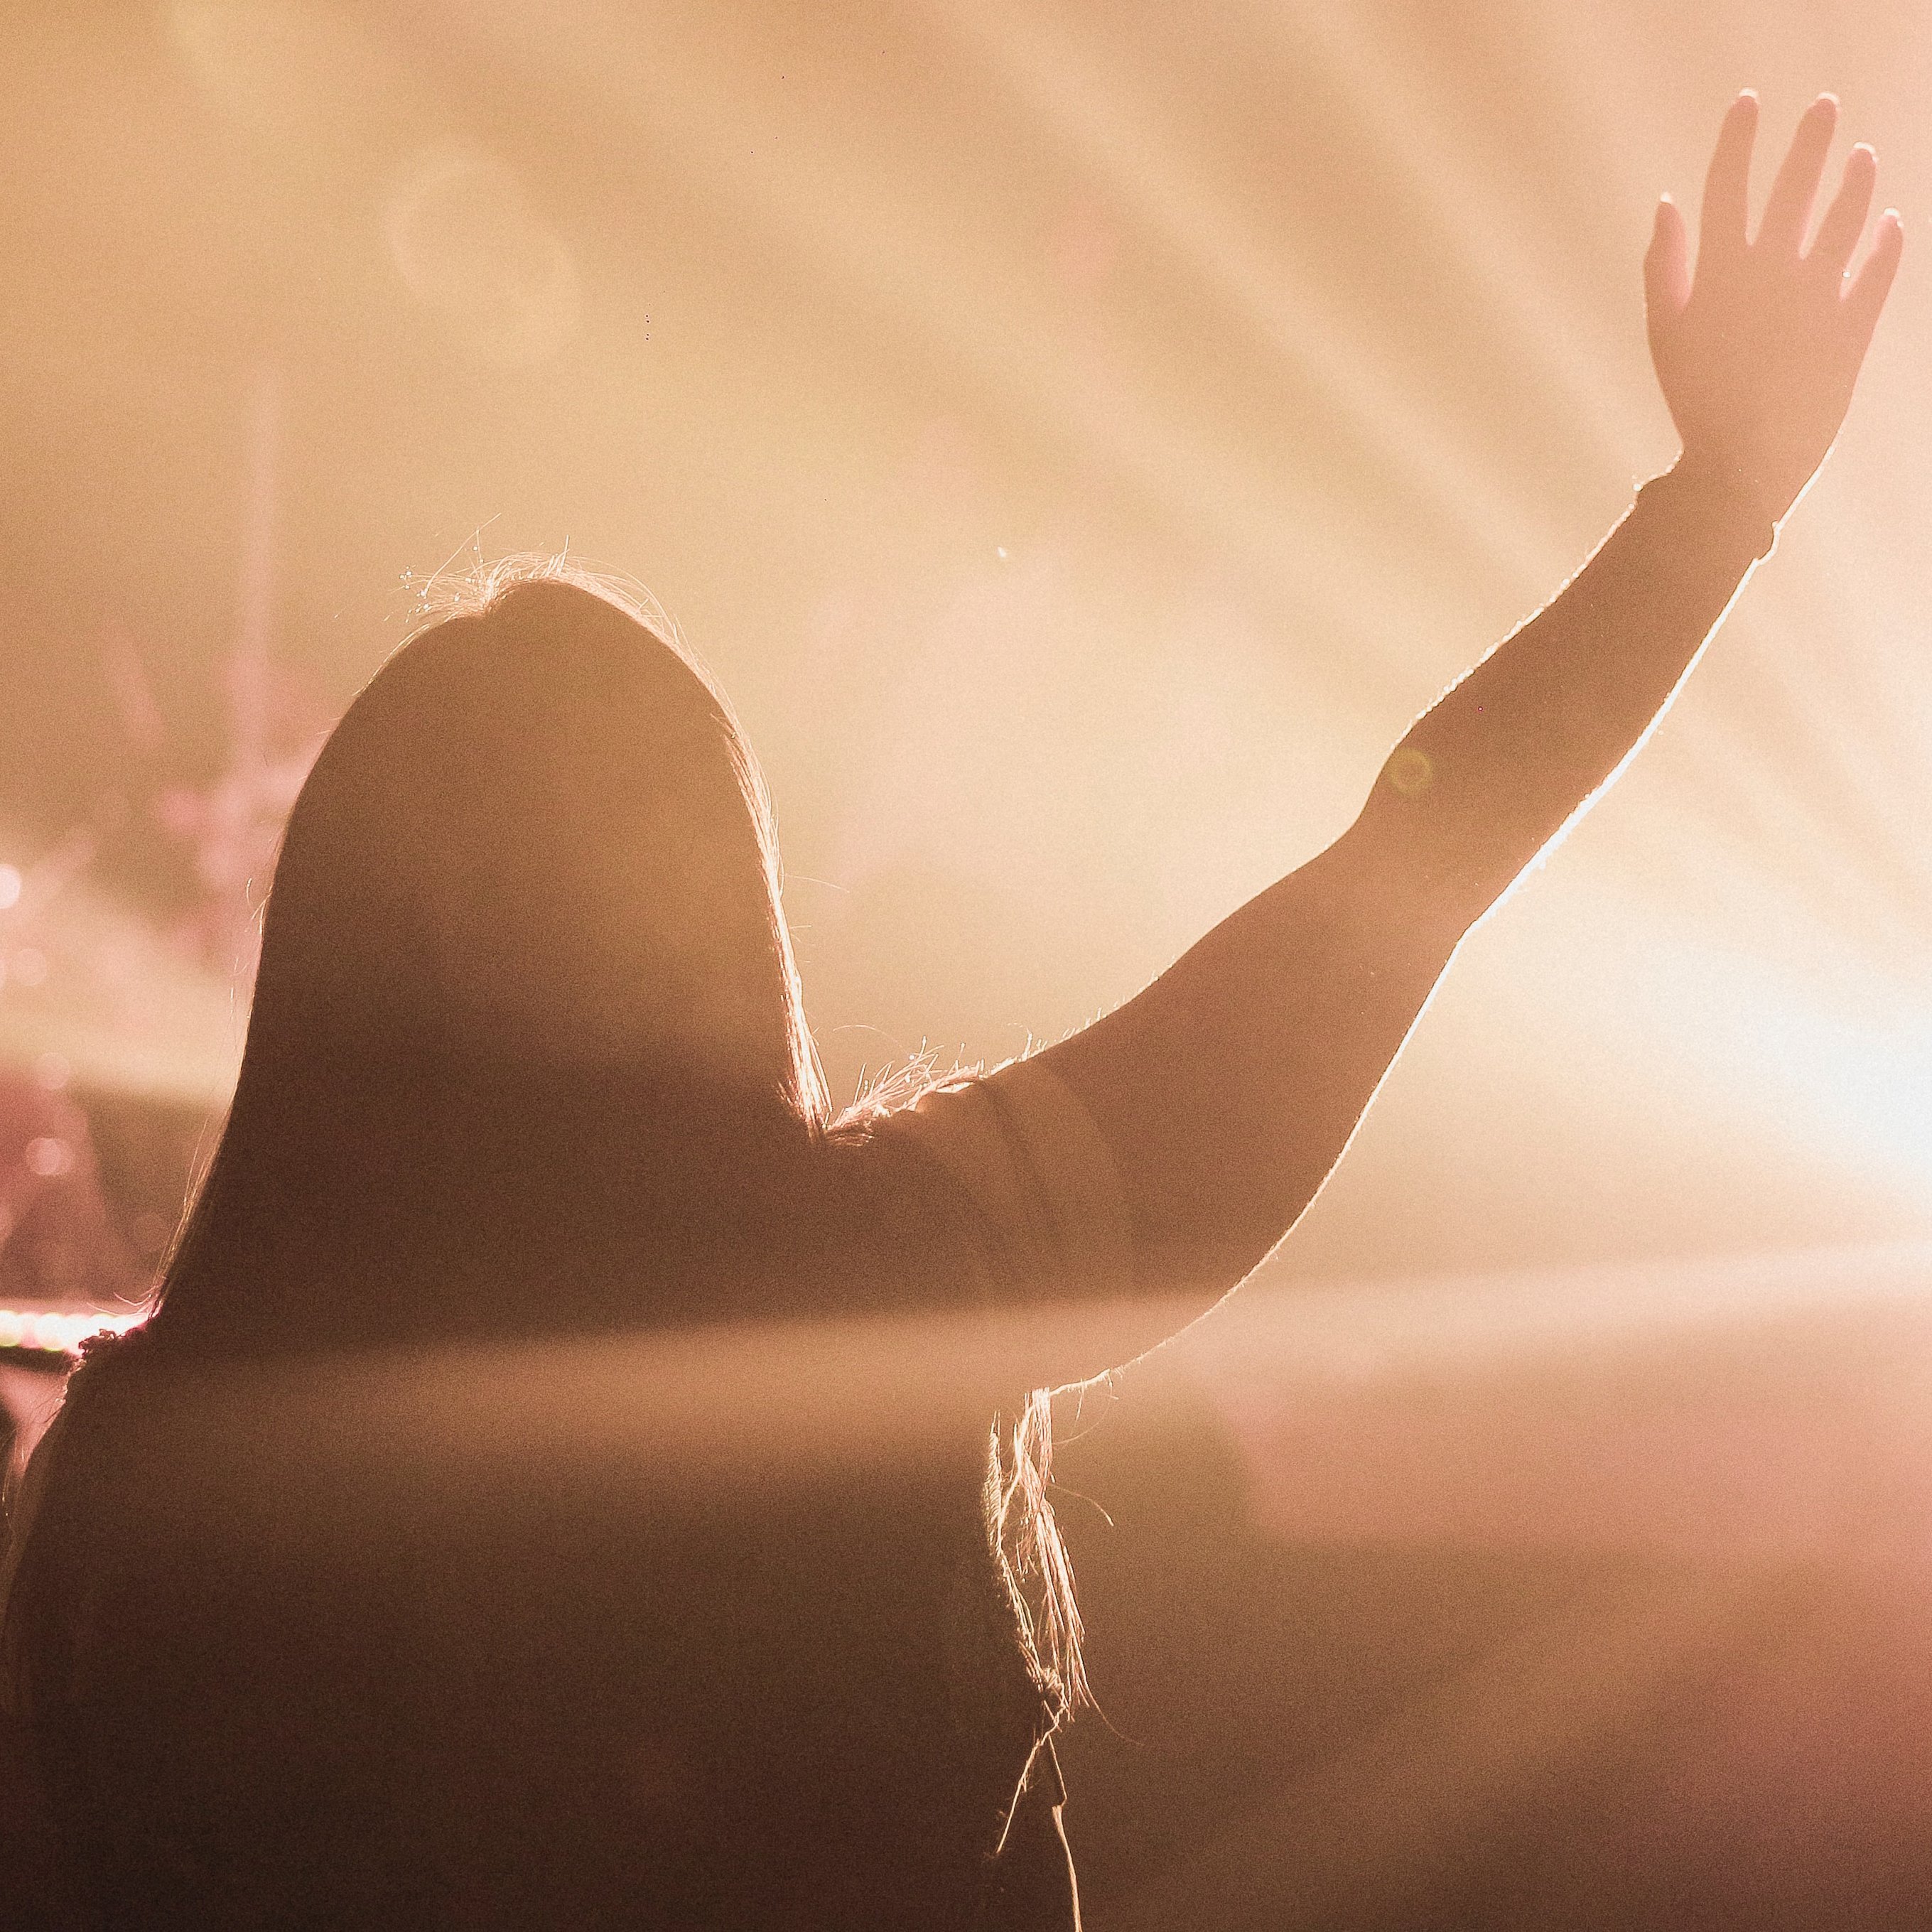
{"x": 1080, "y": 437}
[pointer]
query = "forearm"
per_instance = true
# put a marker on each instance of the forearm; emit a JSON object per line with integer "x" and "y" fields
{"x": 1494, "y": 770}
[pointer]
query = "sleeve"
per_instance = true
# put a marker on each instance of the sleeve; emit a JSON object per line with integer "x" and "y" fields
{"x": 1045, "y": 1201}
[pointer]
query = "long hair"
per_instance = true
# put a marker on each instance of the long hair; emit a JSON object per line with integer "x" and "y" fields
{"x": 528, "y": 897}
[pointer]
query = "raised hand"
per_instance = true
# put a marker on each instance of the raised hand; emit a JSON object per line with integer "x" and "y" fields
{"x": 1757, "y": 356}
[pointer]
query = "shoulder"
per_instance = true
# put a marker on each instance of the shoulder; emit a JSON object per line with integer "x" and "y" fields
{"x": 1014, "y": 1151}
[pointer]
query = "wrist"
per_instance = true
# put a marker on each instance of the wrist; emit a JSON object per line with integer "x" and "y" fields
{"x": 1724, "y": 497}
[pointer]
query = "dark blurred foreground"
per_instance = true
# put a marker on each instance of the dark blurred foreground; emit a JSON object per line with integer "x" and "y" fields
{"x": 1626, "y": 1625}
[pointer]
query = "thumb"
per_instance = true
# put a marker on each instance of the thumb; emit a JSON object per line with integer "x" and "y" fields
{"x": 1666, "y": 270}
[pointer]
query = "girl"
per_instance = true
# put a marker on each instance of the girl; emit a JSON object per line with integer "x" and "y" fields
{"x": 528, "y": 1060}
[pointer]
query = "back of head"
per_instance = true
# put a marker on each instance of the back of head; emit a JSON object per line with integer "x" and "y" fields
{"x": 536, "y": 832}
{"x": 524, "y": 925}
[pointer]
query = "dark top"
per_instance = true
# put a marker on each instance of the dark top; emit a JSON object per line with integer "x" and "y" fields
{"x": 412, "y": 1640}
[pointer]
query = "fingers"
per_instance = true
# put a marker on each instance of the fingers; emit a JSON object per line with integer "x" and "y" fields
{"x": 1867, "y": 294}
{"x": 1666, "y": 270}
{"x": 1844, "y": 221}
{"x": 1720, "y": 228}
{"x": 1788, "y": 213}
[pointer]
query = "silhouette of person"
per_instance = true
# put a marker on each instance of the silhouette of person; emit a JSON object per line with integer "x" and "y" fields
{"x": 528, "y": 1068}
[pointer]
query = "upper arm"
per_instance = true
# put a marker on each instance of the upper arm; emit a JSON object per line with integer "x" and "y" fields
{"x": 1100, "y": 1193}
{"x": 1108, "y": 1187}
{"x": 1228, "y": 1088}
